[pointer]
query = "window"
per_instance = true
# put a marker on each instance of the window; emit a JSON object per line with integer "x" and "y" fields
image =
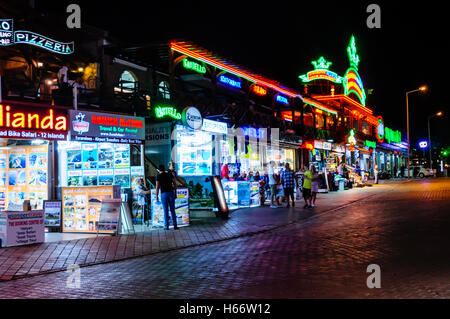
{"x": 163, "y": 90}
{"x": 127, "y": 82}
{"x": 355, "y": 124}
{"x": 365, "y": 128}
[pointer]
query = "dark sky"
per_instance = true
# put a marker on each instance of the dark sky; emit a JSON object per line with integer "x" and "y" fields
{"x": 279, "y": 39}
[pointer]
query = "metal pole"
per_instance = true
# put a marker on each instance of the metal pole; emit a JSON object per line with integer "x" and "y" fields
{"x": 0, "y": 89}
{"x": 407, "y": 128}
{"x": 429, "y": 142}
{"x": 75, "y": 98}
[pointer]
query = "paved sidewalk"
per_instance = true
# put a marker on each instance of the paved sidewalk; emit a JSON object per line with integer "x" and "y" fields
{"x": 18, "y": 262}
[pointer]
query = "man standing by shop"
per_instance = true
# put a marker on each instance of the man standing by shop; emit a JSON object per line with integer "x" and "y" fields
{"x": 288, "y": 182}
{"x": 166, "y": 182}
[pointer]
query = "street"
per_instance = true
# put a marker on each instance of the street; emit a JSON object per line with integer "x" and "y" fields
{"x": 402, "y": 227}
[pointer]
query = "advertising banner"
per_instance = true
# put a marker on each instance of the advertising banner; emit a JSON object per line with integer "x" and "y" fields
{"x": 22, "y": 228}
{"x": 52, "y": 212}
{"x": 181, "y": 208}
{"x": 105, "y": 127}
{"x": 82, "y": 205}
{"x": 109, "y": 216}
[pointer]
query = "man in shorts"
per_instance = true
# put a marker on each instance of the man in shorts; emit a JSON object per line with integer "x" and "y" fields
{"x": 272, "y": 184}
{"x": 307, "y": 178}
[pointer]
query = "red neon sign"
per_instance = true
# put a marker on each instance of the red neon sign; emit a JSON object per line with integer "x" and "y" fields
{"x": 38, "y": 123}
{"x": 259, "y": 90}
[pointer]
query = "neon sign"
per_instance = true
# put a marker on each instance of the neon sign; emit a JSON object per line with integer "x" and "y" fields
{"x": 229, "y": 81}
{"x": 392, "y": 136}
{"x": 194, "y": 66}
{"x": 8, "y": 37}
{"x": 259, "y": 90}
{"x": 321, "y": 72}
{"x": 370, "y": 144}
{"x": 352, "y": 81}
{"x": 161, "y": 112}
{"x": 50, "y": 124}
{"x": 351, "y": 139}
{"x": 380, "y": 130}
{"x": 282, "y": 99}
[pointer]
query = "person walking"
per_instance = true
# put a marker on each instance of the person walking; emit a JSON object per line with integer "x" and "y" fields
{"x": 307, "y": 178}
{"x": 314, "y": 186}
{"x": 167, "y": 184}
{"x": 272, "y": 184}
{"x": 288, "y": 182}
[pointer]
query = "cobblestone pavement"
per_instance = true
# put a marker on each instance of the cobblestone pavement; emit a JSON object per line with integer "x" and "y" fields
{"x": 321, "y": 254}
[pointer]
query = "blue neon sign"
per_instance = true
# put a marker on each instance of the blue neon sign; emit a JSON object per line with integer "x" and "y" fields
{"x": 423, "y": 144}
{"x": 230, "y": 82}
{"x": 282, "y": 99}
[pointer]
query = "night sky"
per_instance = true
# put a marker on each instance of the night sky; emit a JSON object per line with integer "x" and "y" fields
{"x": 279, "y": 39}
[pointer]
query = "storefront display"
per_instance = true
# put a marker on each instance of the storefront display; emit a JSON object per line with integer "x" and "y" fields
{"x": 23, "y": 175}
{"x": 81, "y": 206}
{"x": 181, "y": 209}
{"x": 194, "y": 152}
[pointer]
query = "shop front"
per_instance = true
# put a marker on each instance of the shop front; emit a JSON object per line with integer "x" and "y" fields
{"x": 27, "y": 167}
{"x": 99, "y": 164}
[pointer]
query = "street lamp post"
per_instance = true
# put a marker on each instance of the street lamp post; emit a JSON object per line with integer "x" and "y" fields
{"x": 422, "y": 88}
{"x": 429, "y": 136}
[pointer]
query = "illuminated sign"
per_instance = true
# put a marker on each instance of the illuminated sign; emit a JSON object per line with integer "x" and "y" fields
{"x": 32, "y": 122}
{"x": 259, "y": 90}
{"x": 352, "y": 81}
{"x": 351, "y": 139}
{"x": 370, "y": 144}
{"x": 254, "y": 132}
{"x": 215, "y": 126}
{"x": 105, "y": 127}
{"x": 321, "y": 72}
{"x": 194, "y": 66}
{"x": 229, "y": 81}
{"x": 380, "y": 130}
{"x": 308, "y": 146}
{"x": 392, "y": 136}
{"x": 282, "y": 99}
{"x": 423, "y": 144}
{"x": 8, "y": 36}
{"x": 318, "y": 144}
{"x": 161, "y": 112}
{"x": 192, "y": 118}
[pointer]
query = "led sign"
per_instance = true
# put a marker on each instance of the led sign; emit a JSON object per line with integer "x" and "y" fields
{"x": 161, "y": 112}
{"x": 32, "y": 123}
{"x": 8, "y": 37}
{"x": 423, "y": 144}
{"x": 392, "y": 136}
{"x": 352, "y": 81}
{"x": 259, "y": 90}
{"x": 282, "y": 99}
{"x": 229, "y": 81}
{"x": 351, "y": 139}
{"x": 194, "y": 66}
{"x": 105, "y": 127}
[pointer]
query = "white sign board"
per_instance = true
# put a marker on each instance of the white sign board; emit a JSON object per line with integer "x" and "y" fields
{"x": 215, "y": 126}
{"x": 22, "y": 228}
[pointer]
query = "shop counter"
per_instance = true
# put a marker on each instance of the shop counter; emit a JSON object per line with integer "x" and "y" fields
{"x": 22, "y": 228}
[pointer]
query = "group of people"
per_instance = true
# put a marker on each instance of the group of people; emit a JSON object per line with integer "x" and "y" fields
{"x": 283, "y": 183}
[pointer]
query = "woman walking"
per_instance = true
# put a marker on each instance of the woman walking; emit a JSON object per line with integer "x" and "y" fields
{"x": 314, "y": 185}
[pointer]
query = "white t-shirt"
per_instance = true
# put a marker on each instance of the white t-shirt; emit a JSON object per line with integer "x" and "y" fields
{"x": 271, "y": 179}
{"x": 63, "y": 72}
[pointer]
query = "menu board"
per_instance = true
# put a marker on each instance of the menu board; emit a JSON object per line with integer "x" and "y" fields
{"x": 181, "y": 208}
{"x": 22, "y": 228}
{"x": 23, "y": 175}
{"x": 81, "y": 207}
{"x": 98, "y": 164}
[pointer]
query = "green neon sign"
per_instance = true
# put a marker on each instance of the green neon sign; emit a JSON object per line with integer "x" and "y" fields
{"x": 370, "y": 144}
{"x": 392, "y": 136}
{"x": 321, "y": 63}
{"x": 351, "y": 139}
{"x": 352, "y": 55}
{"x": 161, "y": 112}
{"x": 194, "y": 66}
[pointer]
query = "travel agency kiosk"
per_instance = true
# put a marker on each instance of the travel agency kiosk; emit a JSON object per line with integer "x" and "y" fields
{"x": 28, "y": 178}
